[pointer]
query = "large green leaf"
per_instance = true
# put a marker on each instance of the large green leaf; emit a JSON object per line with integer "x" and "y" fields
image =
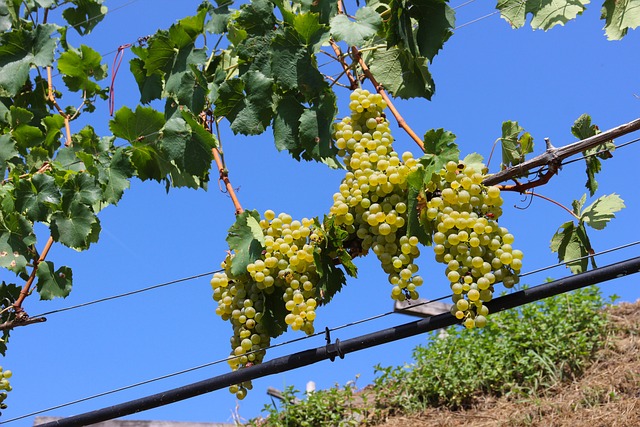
{"x": 16, "y": 235}
{"x": 601, "y": 211}
{"x": 514, "y": 146}
{"x": 256, "y": 17}
{"x": 8, "y": 153}
{"x": 74, "y": 227}
{"x": 246, "y": 239}
{"x": 21, "y": 49}
{"x": 311, "y": 31}
{"x": 436, "y": 20}
{"x": 115, "y": 176}
{"x": 219, "y": 17}
{"x": 572, "y": 245}
{"x": 182, "y": 145}
{"x": 85, "y": 15}
{"x": 81, "y": 188}
{"x": 286, "y": 123}
{"x": 294, "y": 66}
{"x": 401, "y": 73}
{"x": 141, "y": 126}
{"x": 81, "y": 68}
{"x": 53, "y": 284}
{"x": 247, "y": 103}
{"x": 315, "y": 130}
{"x": 36, "y": 197}
{"x": 366, "y": 25}
{"x": 620, "y": 15}
{"x": 545, "y": 13}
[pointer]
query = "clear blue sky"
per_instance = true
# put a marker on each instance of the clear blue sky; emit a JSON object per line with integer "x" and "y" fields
{"x": 486, "y": 74}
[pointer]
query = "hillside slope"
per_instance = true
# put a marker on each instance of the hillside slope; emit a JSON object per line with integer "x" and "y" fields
{"x": 608, "y": 394}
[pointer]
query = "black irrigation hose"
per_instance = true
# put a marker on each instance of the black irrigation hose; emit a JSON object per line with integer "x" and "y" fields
{"x": 340, "y": 348}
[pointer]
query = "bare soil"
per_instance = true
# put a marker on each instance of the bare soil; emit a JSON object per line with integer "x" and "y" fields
{"x": 606, "y": 395}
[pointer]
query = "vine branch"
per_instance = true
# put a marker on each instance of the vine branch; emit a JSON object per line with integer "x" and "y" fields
{"x": 553, "y": 156}
{"x": 208, "y": 119}
{"x": 26, "y": 289}
{"x": 380, "y": 89}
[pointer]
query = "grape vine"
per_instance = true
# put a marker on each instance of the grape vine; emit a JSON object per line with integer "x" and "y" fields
{"x": 57, "y": 179}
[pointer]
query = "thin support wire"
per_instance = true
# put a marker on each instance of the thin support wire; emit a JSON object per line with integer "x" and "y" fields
{"x": 126, "y": 294}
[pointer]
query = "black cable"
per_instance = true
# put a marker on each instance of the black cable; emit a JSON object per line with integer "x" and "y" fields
{"x": 126, "y": 294}
{"x": 341, "y": 348}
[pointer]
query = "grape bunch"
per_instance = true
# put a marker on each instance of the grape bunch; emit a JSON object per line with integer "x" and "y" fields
{"x": 286, "y": 267}
{"x": 468, "y": 239}
{"x": 5, "y": 386}
{"x": 281, "y": 286}
{"x": 371, "y": 202}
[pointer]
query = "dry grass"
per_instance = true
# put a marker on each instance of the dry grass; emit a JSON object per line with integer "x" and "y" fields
{"x": 608, "y": 394}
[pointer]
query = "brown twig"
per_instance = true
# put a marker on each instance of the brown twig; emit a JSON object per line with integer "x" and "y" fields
{"x": 401, "y": 122}
{"x": 353, "y": 83}
{"x": 52, "y": 98}
{"x": 207, "y": 120}
{"x": 22, "y": 320}
{"x": 26, "y": 289}
{"x": 522, "y": 188}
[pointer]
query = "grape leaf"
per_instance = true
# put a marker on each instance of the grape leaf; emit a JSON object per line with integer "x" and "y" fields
{"x": 311, "y": 31}
{"x": 582, "y": 129}
{"x": 274, "y": 314}
{"x": 150, "y": 86}
{"x": 73, "y": 228}
{"x": 79, "y": 67}
{"x": 514, "y": 146}
{"x": 286, "y": 123}
{"x": 601, "y": 211}
{"x": 355, "y": 33}
{"x": 185, "y": 147}
{"x": 440, "y": 148}
{"x": 619, "y": 16}
{"x": 85, "y": 16}
{"x": 435, "y": 20}
{"x": 257, "y": 17}
{"x": 16, "y": 235}
{"x": 326, "y": 9}
{"x": 35, "y": 197}
{"x": 476, "y": 162}
{"x": 331, "y": 278}
{"x": 219, "y": 15}
{"x": 9, "y": 293}
{"x": 545, "y": 13}
{"x": 52, "y": 284}
{"x": 421, "y": 26}
{"x": 115, "y": 176}
{"x": 246, "y": 103}
{"x": 246, "y": 240}
{"x": 8, "y": 16}
{"x": 19, "y": 50}
{"x": 8, "y": 153}
{"x": 81, "y": 188}
{"x": 315, "y": 130}
{"x": 293, "y": 64}
{"x": 402, "y": 74}
{"x": 571, "y": 242}
{"x": 143, "y": 125}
